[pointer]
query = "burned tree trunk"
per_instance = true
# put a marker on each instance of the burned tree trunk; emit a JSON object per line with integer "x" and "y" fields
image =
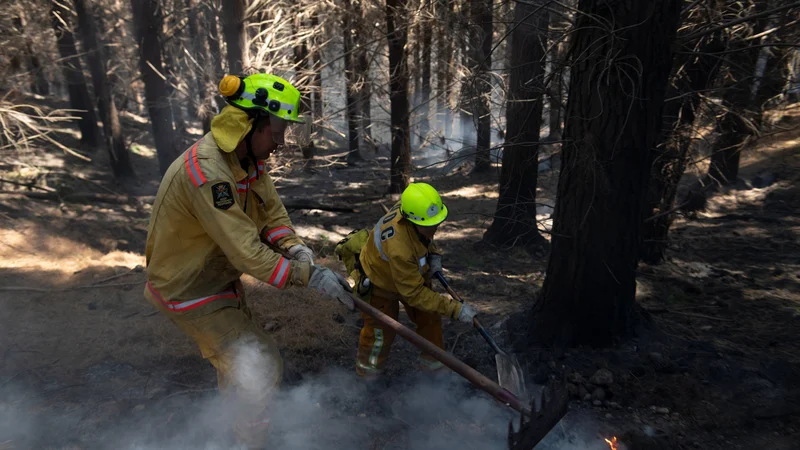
{"x": 365, "y": 89}
{"x": 39, "y": 83}
{"x": 235, "y": 32}
{"x": 515, "y": 219}
{"x": 444, "y": 53}
{"x": 115, "y": 142}
{"x": 198, "y": 101}
{"x": 79, "y": 98}
{"x": 304, "y": 133}
{"x": 558, "y": 65}
{"x": 737, "y": 123}
{"x": 397, "y": 34}
{"x": 217, "y": 71}
{"x": 148, "y": 21}
{"x": 694, "y": 74}
{"x": 425, "y": 94}
{"x": 482, "y": 21}
{"x": 351, "y": 80}
{"x": 613, "y": 118}
{"x": 316, "y": 58}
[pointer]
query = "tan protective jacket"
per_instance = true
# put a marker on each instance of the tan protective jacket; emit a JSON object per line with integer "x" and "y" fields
{"x": 206, "y": 229}
{"x": 395, "y": 259}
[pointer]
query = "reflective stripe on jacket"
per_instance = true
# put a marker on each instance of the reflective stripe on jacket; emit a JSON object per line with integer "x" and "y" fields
{"x": 207, "y": 225}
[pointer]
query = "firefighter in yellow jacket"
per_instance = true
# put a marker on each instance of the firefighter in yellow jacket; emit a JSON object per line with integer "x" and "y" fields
{"x": 215, "y": 212}
{"x": 396, "y": 265}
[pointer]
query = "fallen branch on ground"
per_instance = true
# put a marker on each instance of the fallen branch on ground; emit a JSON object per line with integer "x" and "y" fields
{"x": 305, "y": 204}
{"x": 28, "y": 185}
{"x": 83, "y": 198}
{"x": 88, "y": 286}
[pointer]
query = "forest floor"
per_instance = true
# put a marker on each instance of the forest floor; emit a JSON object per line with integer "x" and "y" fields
{"x": 85, "y": 362}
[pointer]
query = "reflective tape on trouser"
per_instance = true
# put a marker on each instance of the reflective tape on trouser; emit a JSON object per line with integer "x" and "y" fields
{"x": 186, "y": 305}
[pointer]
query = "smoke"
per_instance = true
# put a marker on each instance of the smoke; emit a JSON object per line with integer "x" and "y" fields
{"x": 332, "y": 411}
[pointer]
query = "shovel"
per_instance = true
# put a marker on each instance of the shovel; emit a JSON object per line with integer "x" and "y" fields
{"x": 509, "y": 373}
{"x": 535, "y": 423}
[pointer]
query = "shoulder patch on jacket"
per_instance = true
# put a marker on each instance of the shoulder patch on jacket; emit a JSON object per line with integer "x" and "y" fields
{"x": 222, "y": 195}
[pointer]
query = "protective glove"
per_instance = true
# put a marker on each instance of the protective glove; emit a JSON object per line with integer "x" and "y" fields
{"x": 435, "y": 262}
{"x": 467, "y": 313}
{"x": 331, "y": 283}
{"x": 301, "y": 253}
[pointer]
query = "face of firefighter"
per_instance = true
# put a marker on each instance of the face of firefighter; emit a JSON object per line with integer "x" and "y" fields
{"x": 428, "y": 232}
{"x": 269, "y": 138}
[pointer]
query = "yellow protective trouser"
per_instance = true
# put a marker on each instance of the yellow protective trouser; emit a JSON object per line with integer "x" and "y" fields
{"x": 375, "y": 340}
{"x": 249, "y": 365}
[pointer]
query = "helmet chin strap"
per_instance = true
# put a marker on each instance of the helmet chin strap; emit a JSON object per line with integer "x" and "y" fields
{"x": 248, "y": 140}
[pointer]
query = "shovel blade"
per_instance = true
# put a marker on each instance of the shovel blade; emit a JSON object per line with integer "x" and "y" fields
{"x": 510, "y": 375}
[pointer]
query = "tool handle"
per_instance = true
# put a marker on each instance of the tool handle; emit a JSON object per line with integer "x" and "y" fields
{"x": 489, "y": 339}
{"x": 472, "y": 375}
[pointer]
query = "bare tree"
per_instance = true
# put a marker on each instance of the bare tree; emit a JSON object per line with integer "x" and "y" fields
{"x": 444, "y": 63}
{"x": 515, "y": 219}
{"x": 425, "y": 93}
{"x": 559, "y": 42}
{"x": 481, "y": 63}
{"x": 39, "y": 83}
{"x": 147, "y": 18}
{"x": 199, "y": 104}
{"x": 233, "y": 28}
{"x": 351, "y": 39}
{"x": 613, "y": 117}
{"x": 696, "y": 69}
{"x": 119, "y": 156}
{"x": 397, "y": 34}
{"x": 70, "y": 63}
{"x": 316, "y": 57}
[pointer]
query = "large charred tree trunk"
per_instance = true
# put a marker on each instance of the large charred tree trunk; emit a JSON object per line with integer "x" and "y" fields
{"x": 148, "y": 21}
{"x": 515, "y": 220}
{"x": 613, "y": 117}
{"x": 351, "y": 79}
{"x": 79, "y": 98}
{"x": 693, "y": 75}
{"x": 233, "y": 27}
{"x": 117, "y": 151}
{"x": 397, "y": 34}
{"x": 482, "y": 18}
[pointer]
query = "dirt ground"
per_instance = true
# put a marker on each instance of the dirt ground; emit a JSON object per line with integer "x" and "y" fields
{"x": 85, "y": 361}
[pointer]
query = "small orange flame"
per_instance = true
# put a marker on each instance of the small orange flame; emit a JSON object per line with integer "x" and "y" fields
{"x": 612, "y": 443}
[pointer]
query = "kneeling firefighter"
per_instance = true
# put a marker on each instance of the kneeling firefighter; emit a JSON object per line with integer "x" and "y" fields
{"x": 392, "y": 264}
{"x": 215, "y": 217}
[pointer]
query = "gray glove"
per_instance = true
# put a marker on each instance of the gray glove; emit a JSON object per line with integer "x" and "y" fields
{"x": 435, "y": 261}
{"x": 331, "y": 283}
{"x": 467, "y": 313}
{"x": 301, "y": 253}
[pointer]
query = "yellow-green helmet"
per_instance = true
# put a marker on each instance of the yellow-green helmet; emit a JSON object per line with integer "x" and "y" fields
{"x": 263, "y": 93}
{"x": 422, "y": 205}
